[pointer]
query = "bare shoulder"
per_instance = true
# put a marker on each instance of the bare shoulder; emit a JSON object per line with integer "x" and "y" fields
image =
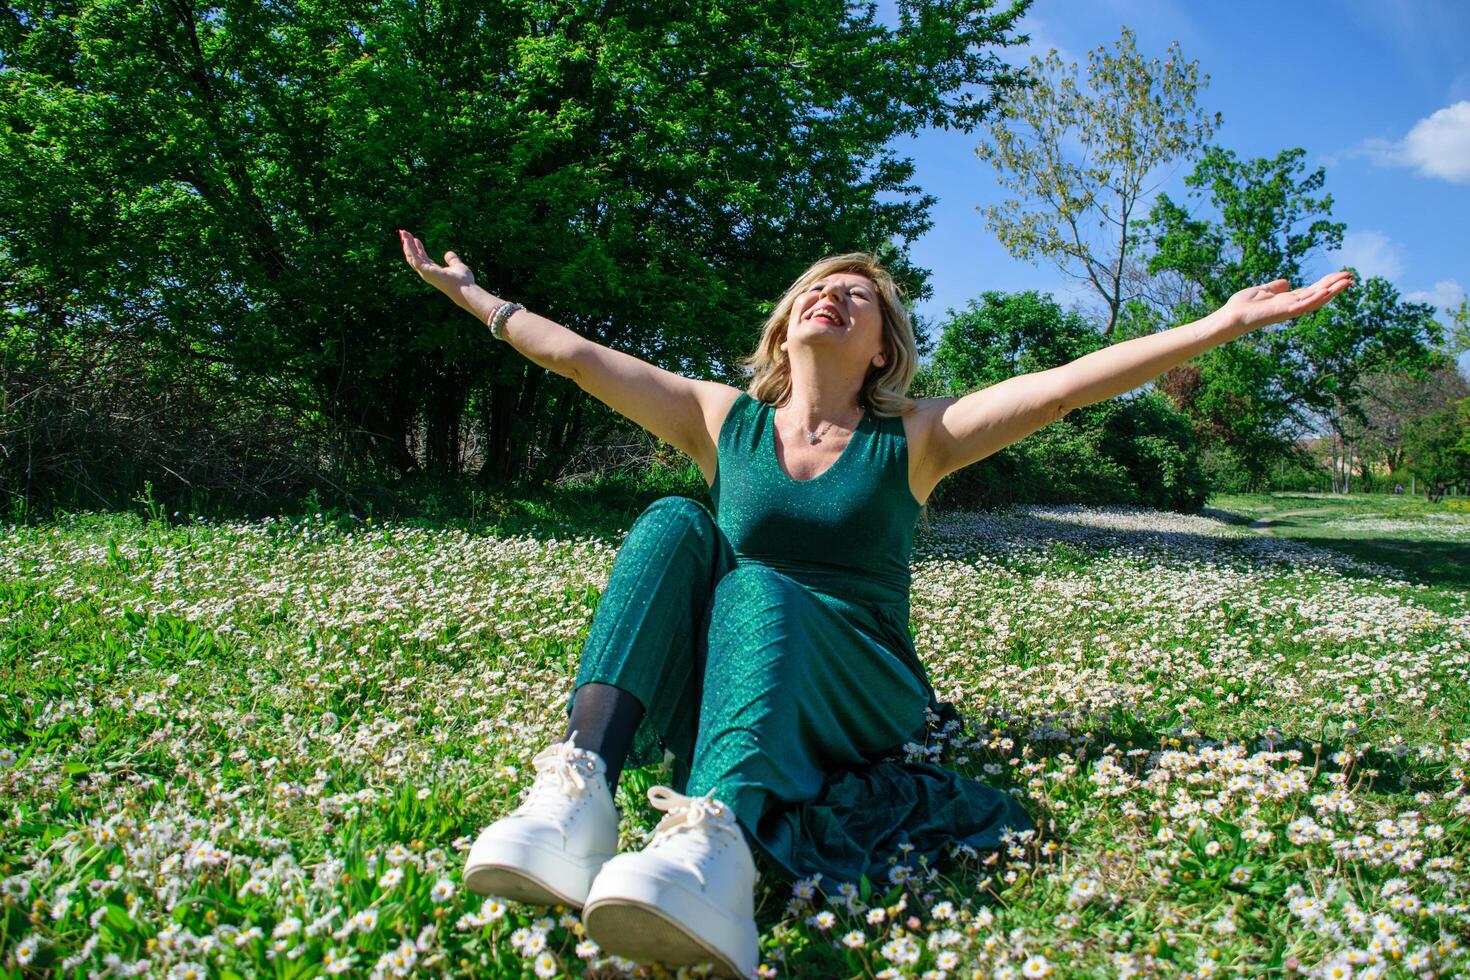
{"x": 715, "y": 400}
{"x": 918, "y": 429}
{"x": 919, "y": 425}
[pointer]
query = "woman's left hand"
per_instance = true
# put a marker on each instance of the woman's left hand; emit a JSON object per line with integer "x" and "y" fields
{"x": 1259, "y": 306}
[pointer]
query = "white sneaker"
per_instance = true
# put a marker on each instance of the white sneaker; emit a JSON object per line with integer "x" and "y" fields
{"x": 550, "y": 848}
{"x": 686, "y": 898}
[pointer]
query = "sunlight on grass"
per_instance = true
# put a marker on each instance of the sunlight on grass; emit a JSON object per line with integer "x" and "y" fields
{"x": 261, "y": 748}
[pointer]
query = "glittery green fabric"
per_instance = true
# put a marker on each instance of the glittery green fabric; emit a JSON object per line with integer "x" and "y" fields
{"x": 770, "y": 648}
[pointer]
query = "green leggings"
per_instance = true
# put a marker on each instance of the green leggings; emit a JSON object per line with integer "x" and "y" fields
{"x": 757, "y": 686}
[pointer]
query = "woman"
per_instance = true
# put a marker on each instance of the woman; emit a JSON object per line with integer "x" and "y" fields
{"x": 767, "y": 648}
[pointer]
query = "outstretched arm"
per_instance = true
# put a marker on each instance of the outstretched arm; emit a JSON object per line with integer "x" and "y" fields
{"x": 1123, "y": 367}
{"x": 542, "y": 341}
{"x": 669, "y": 405}
{"x": 970, "y": 428}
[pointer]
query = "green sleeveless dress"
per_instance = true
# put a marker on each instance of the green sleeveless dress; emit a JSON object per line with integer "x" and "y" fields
{"x": 769, "y": 645}
{"x": 846, "y": 535}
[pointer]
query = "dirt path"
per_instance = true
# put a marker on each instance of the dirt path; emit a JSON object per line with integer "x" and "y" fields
{"x": 1264, "y": 524}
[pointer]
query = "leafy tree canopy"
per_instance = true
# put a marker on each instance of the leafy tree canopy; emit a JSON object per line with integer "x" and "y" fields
{"x": 1001, "y": 335}
{"x": 1079, "y": 158}
{"x": 1268, "y": 221}
{"x": 224, "y": 180}
{"x": 1257, "y": 395}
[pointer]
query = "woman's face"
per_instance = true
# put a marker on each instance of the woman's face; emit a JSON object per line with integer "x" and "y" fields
{"x": 852, "y": 301}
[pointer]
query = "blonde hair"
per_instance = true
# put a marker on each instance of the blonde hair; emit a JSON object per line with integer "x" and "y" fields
{"x": 884, "y": 389}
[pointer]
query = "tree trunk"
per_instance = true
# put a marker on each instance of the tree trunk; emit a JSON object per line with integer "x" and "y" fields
{"x": 531, "y": 417}
{"x": 497, "y": 434}
{"x": 1336, "y": 462}
{"x": 445, "y": 407}
{"x": 387, "y": 438}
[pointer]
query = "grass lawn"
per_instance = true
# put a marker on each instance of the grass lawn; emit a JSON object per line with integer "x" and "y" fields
{"x": 1428, "y": 542}
{"x": 261, "y": 747}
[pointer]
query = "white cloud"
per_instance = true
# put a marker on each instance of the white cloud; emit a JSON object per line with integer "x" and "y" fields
{"x": 1436, "y": 146}
{"x": 1372, "y": 253}
{"x": 1447, "y": 294}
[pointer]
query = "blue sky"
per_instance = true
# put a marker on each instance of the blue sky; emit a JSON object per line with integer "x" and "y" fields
{"x": 1377, "y": 93}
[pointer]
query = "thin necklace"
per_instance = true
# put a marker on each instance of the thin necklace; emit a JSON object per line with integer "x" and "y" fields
{"x": 813, "y": 437}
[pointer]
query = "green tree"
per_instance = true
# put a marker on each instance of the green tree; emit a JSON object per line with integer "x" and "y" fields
{"x": 1438, "y": 448}
{"x": 1333, "y": 349}
{"x": 1005, "y": 334}
{"x": 1393, "y": 399}
{"x": 1269, "y": 222}
{"x": 1078, "y": 210}
{"x": 226, "y": 179}
{"x": 1250, "y": 399}
{"x": 1457, "y": 340}
{"x": 1254, "y": 398}
{"x": 1234, "y": 400}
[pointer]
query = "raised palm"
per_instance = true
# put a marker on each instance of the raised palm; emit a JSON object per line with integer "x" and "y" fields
{"x": 449, "y": 278}
{"x": 1259, "y": 306}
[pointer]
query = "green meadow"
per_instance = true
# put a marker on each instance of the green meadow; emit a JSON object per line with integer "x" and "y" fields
{"x": 261, "y": 747}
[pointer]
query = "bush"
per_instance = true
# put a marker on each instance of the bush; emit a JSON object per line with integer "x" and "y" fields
{"x": 89, "y": 418}
{"x": 1138, "y": 451}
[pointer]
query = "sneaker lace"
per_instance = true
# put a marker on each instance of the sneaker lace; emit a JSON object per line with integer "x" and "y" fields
{"x": 688, "y": 822}
{"x": 562, "y": 772}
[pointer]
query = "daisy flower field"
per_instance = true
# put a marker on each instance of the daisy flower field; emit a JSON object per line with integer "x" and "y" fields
{"x": 261, "y": 748}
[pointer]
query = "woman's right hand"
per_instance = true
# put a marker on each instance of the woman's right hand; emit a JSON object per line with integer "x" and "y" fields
{"x": 450, "y": 278}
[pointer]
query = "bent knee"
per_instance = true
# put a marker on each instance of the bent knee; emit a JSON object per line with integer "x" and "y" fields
{"x": 678, "y": 508}
{"x": 754, "y": 594}
{"x": 753, "y": 577}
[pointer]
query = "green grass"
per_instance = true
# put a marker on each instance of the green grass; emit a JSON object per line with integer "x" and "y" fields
{"x": 217, "y": 737}
{"x": 1420, "y": 551}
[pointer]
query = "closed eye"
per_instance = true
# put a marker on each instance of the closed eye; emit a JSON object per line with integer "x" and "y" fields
{"x": 855, "y": 291}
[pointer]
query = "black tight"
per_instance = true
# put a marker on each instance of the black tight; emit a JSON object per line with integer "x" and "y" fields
{"x": 605, "y": 718}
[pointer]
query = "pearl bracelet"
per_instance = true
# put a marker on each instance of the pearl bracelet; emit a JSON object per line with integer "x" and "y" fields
{"x": 496, "y": 320}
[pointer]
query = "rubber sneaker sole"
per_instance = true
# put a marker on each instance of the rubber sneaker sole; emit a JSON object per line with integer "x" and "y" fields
{"x": 515, "y": 885}
{"x": 523, "y": 872}
{"x": 635, "y": 923}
